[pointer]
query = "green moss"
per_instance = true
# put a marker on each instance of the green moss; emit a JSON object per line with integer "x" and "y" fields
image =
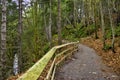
{"x": 35, "y": 71}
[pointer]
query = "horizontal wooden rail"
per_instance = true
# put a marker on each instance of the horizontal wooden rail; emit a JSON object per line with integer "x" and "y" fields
{"x": 56, "y": 64}
{"x": 35, "y": 71}
{"x": 53, "y": 63}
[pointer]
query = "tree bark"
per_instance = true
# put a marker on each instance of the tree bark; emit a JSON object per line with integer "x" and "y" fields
{"x": 94, "y": 19}
{"x": 50, "y": 24}
{"x": 45, "y": 23}
{"x": 112, "y": 27}
{"x": 102, "y": 24}
{"x": 3, "y": 41}
{"x": 59, "y": 23}
{"x": 74, "y": 13}
{"x": 19, "y": 37}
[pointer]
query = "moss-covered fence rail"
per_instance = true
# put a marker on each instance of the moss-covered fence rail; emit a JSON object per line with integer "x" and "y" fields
{"x": 57, "y": 54}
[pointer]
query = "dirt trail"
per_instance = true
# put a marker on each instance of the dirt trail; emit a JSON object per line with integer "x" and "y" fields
{"x": 85, "y": 65}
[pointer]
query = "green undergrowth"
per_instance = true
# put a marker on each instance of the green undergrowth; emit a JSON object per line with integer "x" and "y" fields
{"x": 75, "y": 33}
{"x": 109, "y": 32}
{"x": 107, "y": 47}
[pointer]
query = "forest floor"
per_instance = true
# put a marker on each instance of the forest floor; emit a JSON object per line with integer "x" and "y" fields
{"x": 85, "y": 65}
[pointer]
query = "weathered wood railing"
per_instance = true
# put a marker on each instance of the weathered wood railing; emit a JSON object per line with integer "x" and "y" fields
{"x": 56, "y": 55}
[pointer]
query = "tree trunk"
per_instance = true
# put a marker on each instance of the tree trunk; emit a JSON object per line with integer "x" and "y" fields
{"x": 3, "y": 42}
{"x": 19, "y": 37}
{"x": 87, "y": 23}
{"x": 45, "y": 24}
{"x": 59, "y": 23}
{"x": 112, "y": 27}
{"x": 50, "y": 24}
{"x": 84, "y": 13}
{"x": 94, "y": 20}
{"x": 102, "y": 24}
{"x": 74, "y": 13}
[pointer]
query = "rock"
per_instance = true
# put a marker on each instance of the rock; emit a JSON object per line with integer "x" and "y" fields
{"x": 114, "y": 76}
{"x": 94, "y": 73}
{"x": 73, "y": 59}
{"x": 84, "y": 64}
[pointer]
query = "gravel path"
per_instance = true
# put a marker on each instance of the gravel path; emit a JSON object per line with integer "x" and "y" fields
{"x": 85, "y": 65}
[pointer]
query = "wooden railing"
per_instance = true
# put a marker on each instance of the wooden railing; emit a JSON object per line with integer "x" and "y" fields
{"x": 55, "y": 55}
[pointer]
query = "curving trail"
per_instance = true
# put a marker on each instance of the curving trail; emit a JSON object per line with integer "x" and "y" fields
{"x": 85, "y": 65}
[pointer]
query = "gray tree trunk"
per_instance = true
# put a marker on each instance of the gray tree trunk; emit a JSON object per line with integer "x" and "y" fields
{"x": 19, "y": 37}
{"x": 74, "y": 13}
{"x": 3, "y": 41}
{"x": 102, "y": 23}
{"x": 45, "y": 24}
{"x": 94, "y": 19}
{"x": 112, "y": 27}
{"x": 50, "y": 24}
{"x": 87, "y": 23}
{"x": 59, "y": 23}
